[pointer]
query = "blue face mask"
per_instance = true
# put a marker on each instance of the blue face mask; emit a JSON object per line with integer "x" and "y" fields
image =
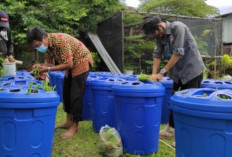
{"x": 42, "y": 48}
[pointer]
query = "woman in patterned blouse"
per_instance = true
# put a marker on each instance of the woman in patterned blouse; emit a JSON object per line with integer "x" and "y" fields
{"x": 75, "y": 59}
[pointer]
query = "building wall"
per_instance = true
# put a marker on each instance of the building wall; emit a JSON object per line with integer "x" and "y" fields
{"x": 227, "y": 29}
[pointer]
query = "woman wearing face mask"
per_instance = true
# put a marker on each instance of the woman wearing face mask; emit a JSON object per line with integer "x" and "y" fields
{"x": 73, "y": 57}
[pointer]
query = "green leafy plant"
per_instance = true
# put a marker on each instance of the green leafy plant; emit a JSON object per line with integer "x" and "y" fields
{"x": 2, "y": 73}
{"x": 226, "y": 61}
{"x": 223, "y": 96}
{"x": 48, "y": 88}
{"x": 35, "y": 90}
{"x": 204, "y": 95}
{"x": 143, "y": 77}
{"x": 131, "y": 18}
{"x": 29, "y": 90}
{"x": 96, "y": 59}
{"x": 181, "y": 7}
{"x": 35, "y": 71}
{"x": 138, "y": 54}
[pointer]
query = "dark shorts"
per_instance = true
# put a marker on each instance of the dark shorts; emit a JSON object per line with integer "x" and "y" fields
{"x": 73, "y": 92}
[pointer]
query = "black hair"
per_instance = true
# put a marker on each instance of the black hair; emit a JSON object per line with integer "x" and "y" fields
{"x": 151, "y": 25}
{"x": 36, "y": 33}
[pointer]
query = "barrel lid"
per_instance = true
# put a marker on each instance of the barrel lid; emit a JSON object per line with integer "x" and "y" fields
{"x": 23, "y": 73}
{"x": 132, "y": 77}
{"x": 149, "y": 88}
{"x": 108, "y": 74}
{"x": 167, "y": 82}
{"x": 18, "y": 94}
{"x": 90, "y": 78}
{"x": 217, "y": 84}
{"x": 17, "y": 77}
{"x": 105, "y": 82}
{"x": 204, "y": 100}
{"x": 6, "y": 84}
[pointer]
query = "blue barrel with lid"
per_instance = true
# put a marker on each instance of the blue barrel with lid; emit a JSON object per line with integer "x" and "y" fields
{"x": 138, "y": 114}
{"x": 60, "y": 79}
{"x": 203, "y": 122}
{"x": 103, "y": 102}
{"x": 55, "y": 78}
{"x": 5, "y": 84}
{"x": 168, "y": 84}
{"x": 51, "y": 78}
{"x": 87, "y": 109}
{"x": 17, "y": 77}
{"x": 216, "y": 84}
{"x": 23, "y": 73}
{"x": 109, "y": 75}
{"x": 27, "y": 122}
{"x": 132, "y": 77}
{"x": 61, "y": 86}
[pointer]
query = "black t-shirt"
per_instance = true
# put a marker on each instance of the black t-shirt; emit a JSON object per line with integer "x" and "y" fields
{"x": 6, "y": 44}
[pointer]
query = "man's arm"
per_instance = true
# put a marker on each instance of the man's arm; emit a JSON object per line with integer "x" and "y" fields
{"x": 66, "y": 57}
{"x": 156, "y": 64}
{"x": 157, "y": 56}
{"x": 172, "y": 61}
{"x": 64, "y": 66}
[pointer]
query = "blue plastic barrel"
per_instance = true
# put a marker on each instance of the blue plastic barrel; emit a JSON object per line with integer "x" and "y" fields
{"x": 23, "y": 73}
{"x": 138, "y": 114}
{"x": 57, "y": 83}
{"x": 54, "y": 79}
{"x": 103, "y": 102}
{"x": 168, "y": 84}
{"x": 216, "y": 84}
{"x": 57, "y": 79}
{"x": 132, "y": 77}
{"x": 107, "y": 74}
{"x": 103, "y": 74}
{"x": 61, "y": 82}
{"x": 27, "y": 122}
{"x": 6, "y": 84}
{"x": 203, "y": 122}
{"x": 87, "y": 109}
{"x": 51, "y": 78}
{"x": 17, "y": 77}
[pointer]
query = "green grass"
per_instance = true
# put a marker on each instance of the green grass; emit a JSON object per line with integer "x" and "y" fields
{"x": 86, "y": 142}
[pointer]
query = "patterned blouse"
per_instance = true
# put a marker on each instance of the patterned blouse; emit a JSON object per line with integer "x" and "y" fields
{"x": 63, "y": 47}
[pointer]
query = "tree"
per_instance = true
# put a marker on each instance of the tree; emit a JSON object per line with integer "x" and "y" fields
{"x": 70, "y": 16}
{"x": 182, "y": 7}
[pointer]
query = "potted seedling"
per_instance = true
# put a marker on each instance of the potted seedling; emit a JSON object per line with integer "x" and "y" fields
{"x": 143, "y": 77}
{"x": 34, "y": 90}
{"x": 35, "y": 72}
{"x": 48, "y": 88}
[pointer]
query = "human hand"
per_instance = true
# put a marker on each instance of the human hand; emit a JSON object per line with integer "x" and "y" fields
{"x": 43, "y": 69}
{"x": 36, "y": 66}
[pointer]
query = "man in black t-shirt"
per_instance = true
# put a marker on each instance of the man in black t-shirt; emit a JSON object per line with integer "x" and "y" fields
{"x": 6, "y": 44}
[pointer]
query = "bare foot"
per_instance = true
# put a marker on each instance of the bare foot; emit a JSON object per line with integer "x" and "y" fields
{"x": 71, "y": 131}
{"x": 67, "y": 124}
